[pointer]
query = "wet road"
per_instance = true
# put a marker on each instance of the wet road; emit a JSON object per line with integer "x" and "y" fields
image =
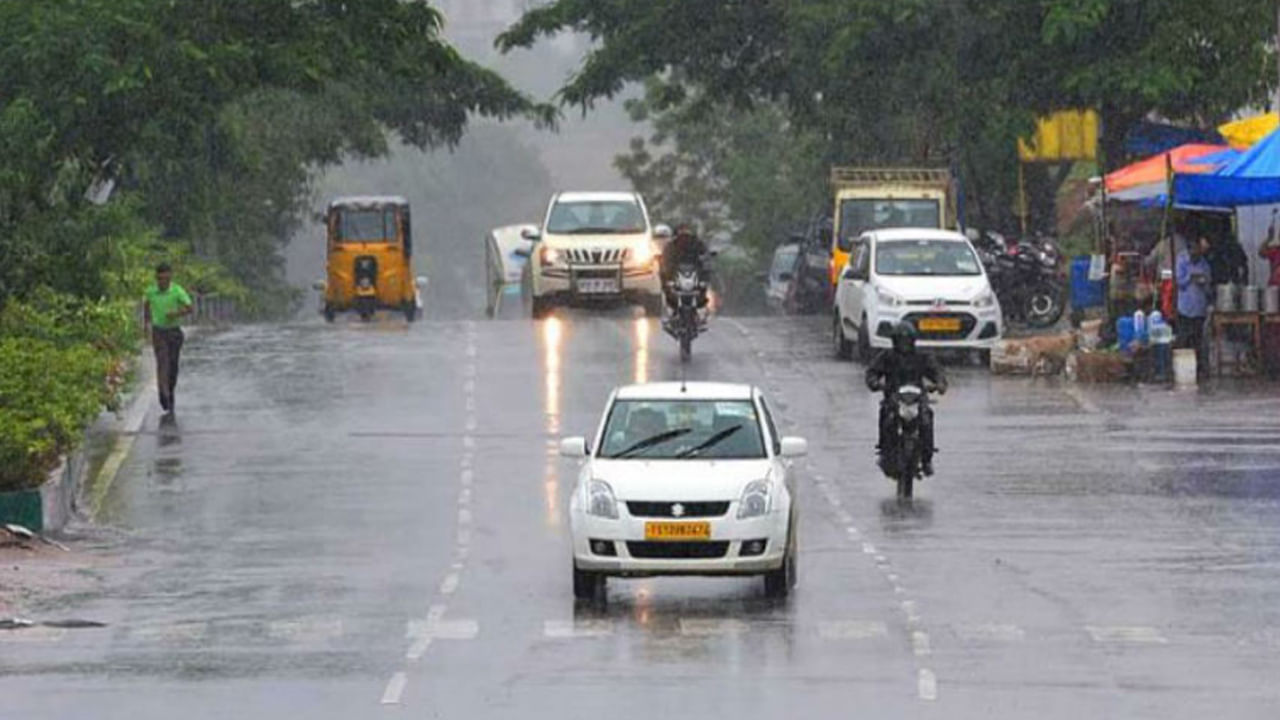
{"x": 369, "y": 521}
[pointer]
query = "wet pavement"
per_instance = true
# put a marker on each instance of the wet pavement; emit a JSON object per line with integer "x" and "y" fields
{"x": 369, "y": 521}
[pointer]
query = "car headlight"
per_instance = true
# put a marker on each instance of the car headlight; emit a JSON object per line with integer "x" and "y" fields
{"x": 755, "y": 500}
{"x": 888, "y": 299}
{"x": 551, "y": 256}
{"x": 642, "y": 254}
{"x": 985, "y": 300}
{"x": 600, "y": 500}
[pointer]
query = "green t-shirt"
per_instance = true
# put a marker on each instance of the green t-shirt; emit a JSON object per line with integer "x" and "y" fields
{"x": 164, "y": 303}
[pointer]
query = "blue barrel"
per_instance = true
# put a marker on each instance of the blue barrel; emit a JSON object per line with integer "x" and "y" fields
{"x": 1085, "y": 293}
{"x": 1124, "y": 332}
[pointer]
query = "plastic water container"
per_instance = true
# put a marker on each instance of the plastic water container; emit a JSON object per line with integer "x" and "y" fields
{"x": 1140, "y": 327}
{"x": 1124, "y": 332}
{"x": 1085, "y": 293}
{"x": 1184, "y": 367}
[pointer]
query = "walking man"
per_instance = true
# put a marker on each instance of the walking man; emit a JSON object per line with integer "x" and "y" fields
{"x": 163, "y": 305}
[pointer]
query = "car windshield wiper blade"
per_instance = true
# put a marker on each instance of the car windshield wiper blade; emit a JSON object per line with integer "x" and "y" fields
{"x": 710, "y": 442}
{"x": 596, "y": 231}
{"x": 652, "y": 440}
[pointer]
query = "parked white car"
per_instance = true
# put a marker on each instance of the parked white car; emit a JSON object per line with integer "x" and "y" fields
{"x": 684, "y": 479}
{"x": 506, "y": 251}
{"x": 930, "y": 278}
{"x": 593, "y": 248}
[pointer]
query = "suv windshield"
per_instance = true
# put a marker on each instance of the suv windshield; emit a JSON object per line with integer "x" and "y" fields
{"x": 925, "y": 257}
{"x": 683, "y": 429}
{"x": 596, "y": 217}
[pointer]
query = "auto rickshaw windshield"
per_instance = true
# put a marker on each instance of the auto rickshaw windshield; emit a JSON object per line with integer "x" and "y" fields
{"x": 373, "y": 225}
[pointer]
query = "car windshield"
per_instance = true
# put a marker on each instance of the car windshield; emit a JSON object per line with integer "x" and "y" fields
{"x": 683, "y": 429}
{"x": 859, "y": 215}
{"x": 372, "y": 225}
{"x": 784, "y": 260}
{"x": 925, "y": 257}
{"x": 596, "y": 217}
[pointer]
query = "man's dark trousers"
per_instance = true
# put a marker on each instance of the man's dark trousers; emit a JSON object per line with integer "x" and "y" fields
{"x": 167, "y": 343}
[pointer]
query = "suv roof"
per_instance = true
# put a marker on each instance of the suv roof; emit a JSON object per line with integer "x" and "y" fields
{"x": 592, "y": 196}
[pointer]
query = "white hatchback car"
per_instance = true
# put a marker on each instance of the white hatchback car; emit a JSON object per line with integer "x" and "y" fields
{"x": 684, "y": 479}
{"x": 929, "y": 278}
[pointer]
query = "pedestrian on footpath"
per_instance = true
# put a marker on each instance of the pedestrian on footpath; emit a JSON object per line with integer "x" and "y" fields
{"x": 1270, "y": 251}
{"x": 1192, "y": 275}
{"x": 163, "y": 306}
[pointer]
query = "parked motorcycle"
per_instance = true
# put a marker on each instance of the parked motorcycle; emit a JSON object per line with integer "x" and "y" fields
{"x": 1026, "y": 277}
{"x": 902, "y": 460}
{"x": 685, "y": 323}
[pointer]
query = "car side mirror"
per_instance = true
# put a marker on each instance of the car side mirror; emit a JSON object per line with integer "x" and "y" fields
{"x": 573, "y": 447}
{"x": 662, "y": 232}
{"x": 532, "y": 234}
{"x": 794, "y": 447}
{"x": 420, "y": 281}
{"x": 318, "y": 285}
{"x": 850, "y": 273}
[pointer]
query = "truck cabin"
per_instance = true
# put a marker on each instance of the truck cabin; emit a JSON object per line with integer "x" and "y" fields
{"x": 860, "y": 214}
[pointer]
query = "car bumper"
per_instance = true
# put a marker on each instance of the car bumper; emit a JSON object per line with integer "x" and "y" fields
{"x": 634, "y": 283}
{"x": 733, "y": 533}
{"x": 986, "y": 330}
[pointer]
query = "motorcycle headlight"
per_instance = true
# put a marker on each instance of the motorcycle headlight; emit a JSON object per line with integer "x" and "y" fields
{"x": 687, "y": 283}
{"x": 908, "y": 411}
{"x": 755, "y": 500}
{"x": 551, "y": 256}
{"x": 985, "y": 300}
{"x": 888, "y": 299}
{"x": 600, "y": 500}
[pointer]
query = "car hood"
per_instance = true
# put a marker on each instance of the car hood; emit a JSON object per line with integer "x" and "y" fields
{"x": 604, "y": 241}
{"x": 921, "y": 287}
{"x": 679, "y": 480}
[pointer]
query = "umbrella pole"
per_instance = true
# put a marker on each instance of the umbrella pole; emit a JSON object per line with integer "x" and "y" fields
{"x": 1164, "y": 232}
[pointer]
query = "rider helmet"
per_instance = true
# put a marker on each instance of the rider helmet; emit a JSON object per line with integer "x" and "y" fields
{"x": 904, "y": 337}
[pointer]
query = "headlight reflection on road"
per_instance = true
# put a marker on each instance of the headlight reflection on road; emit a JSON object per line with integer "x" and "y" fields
{"x": 552, "y": 345}
{"x": 643, "y": 328}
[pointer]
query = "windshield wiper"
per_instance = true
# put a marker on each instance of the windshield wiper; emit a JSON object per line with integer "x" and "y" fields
{"x": 596, "y": 231}
{"x": 649, "y": 442}
{"x": 710, "y": 442}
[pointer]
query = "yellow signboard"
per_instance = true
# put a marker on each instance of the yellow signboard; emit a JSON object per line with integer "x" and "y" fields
{"x": 1061, "y": 137}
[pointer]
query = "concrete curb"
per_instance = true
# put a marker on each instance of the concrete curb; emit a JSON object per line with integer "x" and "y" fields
{"x": 136, "y": 407}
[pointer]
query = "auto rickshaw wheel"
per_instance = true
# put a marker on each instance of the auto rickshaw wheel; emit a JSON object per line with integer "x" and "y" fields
{"x": 329, "y": 314}
{"x": 410, "y": 311}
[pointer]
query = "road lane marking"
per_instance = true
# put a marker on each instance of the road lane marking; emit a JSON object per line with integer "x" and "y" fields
{"x": 464, "y": 516}
{"x": 868, "y": 548}
{"x": 33, "y": 635}
{"x": 395, "y": 687}
{"x": 927, "y": 685}
{"x": 920, "y": 643}
{"x": 989, "y": 633}
{"x": 911, "y": 611}
{"x": 577, "y": 628}
{"x": 449, "y": 584}
{"x": 704, "y": 627}
{"x": 306, "y": 629}
{"x": 441, "y": 629}
{"x": 1133, "y": 634}
{"x": 852, "y": 629}
{"x": 418, "y": 648}
{"x": 178, "y": 632}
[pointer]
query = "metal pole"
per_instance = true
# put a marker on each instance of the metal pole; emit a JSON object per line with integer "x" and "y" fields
{"x": 1173, "y": 246}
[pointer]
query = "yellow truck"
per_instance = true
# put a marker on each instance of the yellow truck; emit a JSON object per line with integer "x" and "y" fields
{"x": 876, "y": 198}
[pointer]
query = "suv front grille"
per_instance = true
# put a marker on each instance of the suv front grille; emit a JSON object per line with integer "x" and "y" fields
{"x": 688, "y": 509}
{"x": 590, "y": 256}
{"x": 678, "y": 550}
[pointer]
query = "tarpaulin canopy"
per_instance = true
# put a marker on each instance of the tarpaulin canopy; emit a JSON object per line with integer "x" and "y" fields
{"x": 1246, "y": 133}
{"x": 1253, "y": 178}
{"x": 1149, "y": 178}
{"x": 1149, "y": 138}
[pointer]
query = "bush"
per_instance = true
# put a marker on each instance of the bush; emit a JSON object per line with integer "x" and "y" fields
{"x": 48, "y": 394}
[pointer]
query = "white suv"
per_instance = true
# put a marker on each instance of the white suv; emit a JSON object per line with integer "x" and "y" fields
{"x": 932, "y": 279}
{"x": 593, "y": 247}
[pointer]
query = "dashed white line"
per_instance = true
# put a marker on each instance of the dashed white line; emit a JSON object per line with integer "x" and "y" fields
{"x": 920, "y": 643}
{"x": 450, "y": 584}
{"x": 852, "y": 629}
{"x": 927, "y": 684}
{"x": 712, "y": 626}
{"x": 1135, "y": 634}
{"x": 395, "y": 687}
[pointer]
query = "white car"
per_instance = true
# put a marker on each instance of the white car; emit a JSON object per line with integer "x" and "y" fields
{"x": 684, "y": 479}
{"x": 929, "y": 278}
{"x": 506, "y": 251}
{"x": 594, "y": 247}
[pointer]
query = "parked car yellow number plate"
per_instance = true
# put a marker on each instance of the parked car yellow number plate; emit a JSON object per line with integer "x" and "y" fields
{"x": 937, "y": 324}
{"x": 677, "y": 531}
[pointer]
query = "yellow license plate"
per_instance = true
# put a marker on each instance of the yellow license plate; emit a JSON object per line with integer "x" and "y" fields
{"x": 677, "y": 531}
{"x": 939, "y": 324}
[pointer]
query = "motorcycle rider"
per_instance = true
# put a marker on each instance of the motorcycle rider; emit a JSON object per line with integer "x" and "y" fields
{"x": 903, "y": 365}
{"x": 685, "y": 248}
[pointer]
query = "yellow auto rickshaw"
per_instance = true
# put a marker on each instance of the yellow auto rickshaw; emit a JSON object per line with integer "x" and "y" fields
{"x": 370, "y": 258}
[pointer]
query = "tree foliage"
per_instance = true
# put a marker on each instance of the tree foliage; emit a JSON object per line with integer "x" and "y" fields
{"x": 935, "y": 81}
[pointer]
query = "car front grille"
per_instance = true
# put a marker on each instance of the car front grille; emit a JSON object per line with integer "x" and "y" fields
{"x": 967, "y": 323}
{"x": 595, "y": 256}
{"x": 687, "y": 509}
{"x": 678, "y": 550}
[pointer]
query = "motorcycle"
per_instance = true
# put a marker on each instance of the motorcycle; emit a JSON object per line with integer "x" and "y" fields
{"x": 685, "y": 322}
{"x": 1027, "y": 278}
{"x": 903, "y": 459}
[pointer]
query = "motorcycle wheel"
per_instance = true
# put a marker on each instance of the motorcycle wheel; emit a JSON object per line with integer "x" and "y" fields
{"x": 686, "y": 349}
{"x": 1044, "y": 306}
{"x": 907, "y": 468}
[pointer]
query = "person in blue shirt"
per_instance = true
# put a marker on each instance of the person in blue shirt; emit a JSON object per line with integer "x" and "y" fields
{"x": 1192, "y": 275}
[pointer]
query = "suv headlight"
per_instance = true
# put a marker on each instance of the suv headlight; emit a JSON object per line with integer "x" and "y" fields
{"x": 985, "y": 300}
{"x": 550, "y": 255}
{"x": 600, "y": 500}
{"x": 755, "y": 500}
{"x": 641, "y": 255}
{"x": 888, "y": 299}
